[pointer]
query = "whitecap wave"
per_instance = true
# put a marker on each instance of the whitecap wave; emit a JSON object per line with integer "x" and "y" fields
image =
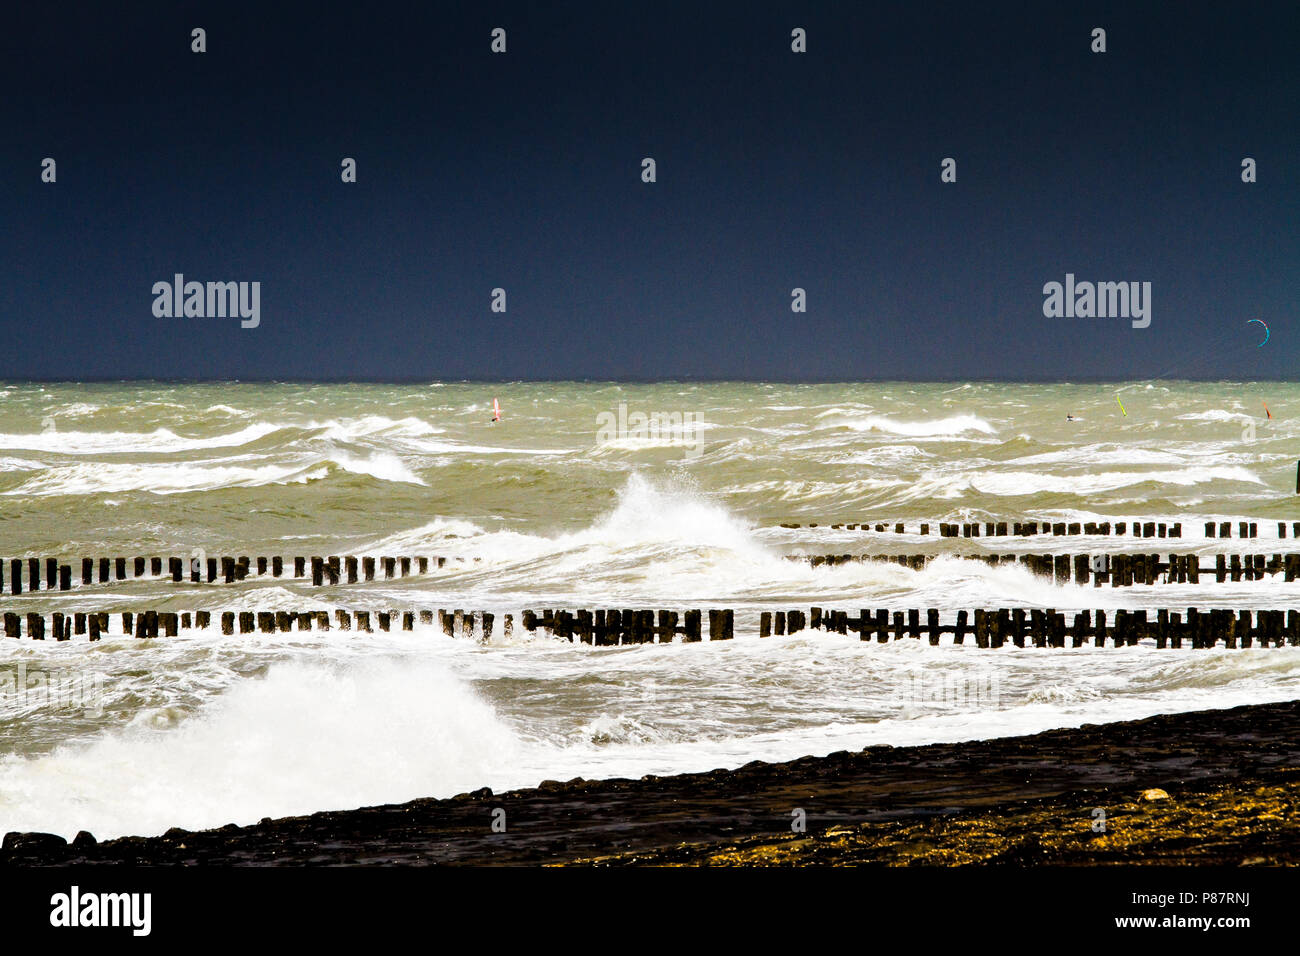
{"x": 954, "y": 426}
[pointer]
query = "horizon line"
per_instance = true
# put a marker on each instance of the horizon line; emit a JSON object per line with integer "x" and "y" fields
{"x": 1100, "y": 380}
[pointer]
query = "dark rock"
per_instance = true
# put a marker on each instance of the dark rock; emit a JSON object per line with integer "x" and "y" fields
{"x": 32, "y": 842}
{"x": 84, "y": 839}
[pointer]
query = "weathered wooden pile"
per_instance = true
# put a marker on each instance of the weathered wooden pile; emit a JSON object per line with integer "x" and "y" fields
{"x": 604, "y": 628}
{"x": 1049, "y": 628}
{"x": 324, "y": 570}
{"x": 1118, "y": 570}
{"x": 62, "y": 627}
{"x": 1022, "y": 627}
{"x": 991, "y": 529}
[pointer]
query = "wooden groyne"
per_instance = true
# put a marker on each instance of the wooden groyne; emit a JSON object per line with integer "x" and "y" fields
{"x": 32, "y": 574}
{"x": 320, "y": 570}
{"x": 60, "y": 626}
{"x": 986, "y": 628}
{"x": 1118, "y": 570}
{"x": 998, "y": 529}
{"x": 604, "y": 628}
{"x": 1033, "y": 627}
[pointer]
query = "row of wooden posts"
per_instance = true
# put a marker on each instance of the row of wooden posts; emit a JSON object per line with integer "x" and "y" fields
{"x": 170, "y": 623}
{"x": 336, "y": 570}
{"x": 1049, "y": 628}
{"x": 606, "y": 628}
{"x": 324, "y": 570}
{"x": 991, "y": 529}
{"x": 1020, "y": 627}
{"x": 1119, "y": 570}
{"x": 599, "y": 627}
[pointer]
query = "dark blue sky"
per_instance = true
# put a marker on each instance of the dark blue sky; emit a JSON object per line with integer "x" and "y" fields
{"x": 775, "y": 170}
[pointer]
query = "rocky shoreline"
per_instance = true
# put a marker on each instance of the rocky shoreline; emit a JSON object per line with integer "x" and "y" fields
{"x": 1232, "y": 778}
{"x": 1254, "y": 823}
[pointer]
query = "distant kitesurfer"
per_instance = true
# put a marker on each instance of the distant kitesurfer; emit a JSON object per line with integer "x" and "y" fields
{"x": 1070, "y": 418}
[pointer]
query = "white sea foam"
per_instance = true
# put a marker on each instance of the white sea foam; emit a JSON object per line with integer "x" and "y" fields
{"x": 380, "y": 465}
{"x": 176, "y": 478}
{"x": 163, "y": 479}
{"x": 18, "y": 464}
{"x": 952, "y": 427}
{"x": 77, "y": 410}
{"x": 1025, "y": 483}
{"x": 303, "y": 738}
{"x": 646, "y": 515}
{"x": 1109, "y": 455}
{"x": 159, "y": 441}
{"x": 1215, "y": 415}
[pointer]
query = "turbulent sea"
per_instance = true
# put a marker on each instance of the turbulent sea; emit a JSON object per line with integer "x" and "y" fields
{"x": 566, "y": 509}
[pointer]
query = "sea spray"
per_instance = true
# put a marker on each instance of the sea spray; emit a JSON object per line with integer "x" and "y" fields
{"x": 305, "y": 737}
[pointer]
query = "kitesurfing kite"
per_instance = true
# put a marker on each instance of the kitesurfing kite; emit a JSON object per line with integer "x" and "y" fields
{"x": 1267, "y": 333}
